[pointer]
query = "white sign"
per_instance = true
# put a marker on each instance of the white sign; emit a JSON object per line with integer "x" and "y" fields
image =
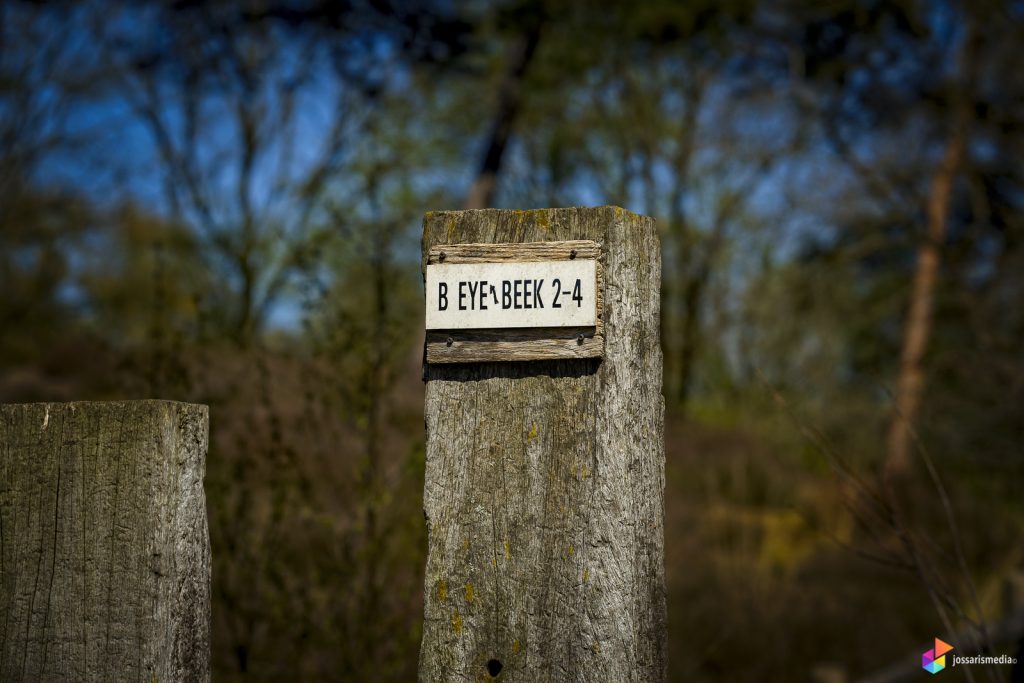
{"x": 463, "y": 296}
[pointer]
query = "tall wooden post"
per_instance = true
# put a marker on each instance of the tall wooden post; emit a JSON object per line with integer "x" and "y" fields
{"x": 104, "y": 548}
{"x": 544, "y": 492}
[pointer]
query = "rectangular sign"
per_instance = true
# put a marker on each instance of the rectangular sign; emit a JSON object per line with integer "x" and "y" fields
{"x": 464, "y": 296}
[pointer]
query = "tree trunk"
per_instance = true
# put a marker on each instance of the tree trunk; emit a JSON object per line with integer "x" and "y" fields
{"x": 104, "y": 549}
{"x": 687, "y": 287}
{"x": 689, "y": 341}
{"x": 544, "y": 492}
{"x": 510, "y": 98}
{"x": 918, "y": 324}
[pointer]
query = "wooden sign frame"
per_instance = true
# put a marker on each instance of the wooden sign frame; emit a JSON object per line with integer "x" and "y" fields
{"x": 518, "y": 344}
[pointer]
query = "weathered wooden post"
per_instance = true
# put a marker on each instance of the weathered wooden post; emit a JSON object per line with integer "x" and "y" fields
{"x": 104, "y": 548}
{"x": 544, "y": 492}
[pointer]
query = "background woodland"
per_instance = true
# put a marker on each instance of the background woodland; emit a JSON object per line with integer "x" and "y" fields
{"x": 220, "y": 202}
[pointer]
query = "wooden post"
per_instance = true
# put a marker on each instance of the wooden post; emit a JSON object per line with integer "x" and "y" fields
{"x": 544, "y": 492}
{"x": 104, "y": 548}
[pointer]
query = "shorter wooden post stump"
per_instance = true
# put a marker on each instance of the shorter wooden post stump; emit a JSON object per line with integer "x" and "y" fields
{"x": 104, "y": 545}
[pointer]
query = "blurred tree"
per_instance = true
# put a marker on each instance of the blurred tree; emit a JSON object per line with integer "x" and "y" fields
{"x": 648, "y": 113}
{"x": 228, "y": 110}
{"x": 526, "y": 20}
{"x": 911, "y": 70}
{"x": 46, "y": 68}
{"x": 913, "y": 98}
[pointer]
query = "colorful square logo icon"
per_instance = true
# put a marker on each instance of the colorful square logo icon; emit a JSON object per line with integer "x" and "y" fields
{"x": 933, "y": 661}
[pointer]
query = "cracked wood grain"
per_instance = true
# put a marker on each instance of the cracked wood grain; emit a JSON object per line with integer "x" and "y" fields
{"x": 544, "y": 486}
{"x": 104, "y": 548}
